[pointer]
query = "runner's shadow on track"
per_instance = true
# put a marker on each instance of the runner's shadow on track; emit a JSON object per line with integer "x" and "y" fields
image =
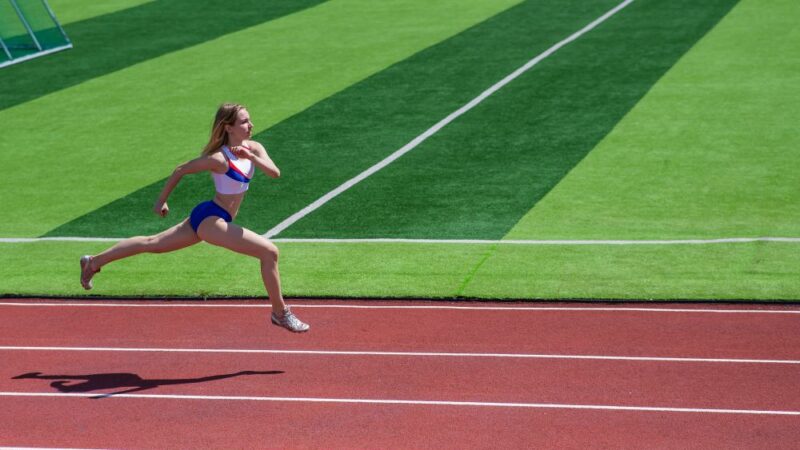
{"x": 135, "y": 383}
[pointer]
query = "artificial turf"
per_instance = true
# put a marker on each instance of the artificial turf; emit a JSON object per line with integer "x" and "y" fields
{"x": 708, "y": 152}
{"x": 752, "y": 271}
{"x": 766, "y": 271}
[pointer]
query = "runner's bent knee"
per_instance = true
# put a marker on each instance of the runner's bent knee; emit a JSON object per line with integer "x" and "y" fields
{"x": 261, "y": 248}
{"x": 271, "y": 251}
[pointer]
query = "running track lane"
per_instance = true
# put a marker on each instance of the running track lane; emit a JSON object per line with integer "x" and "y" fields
{"x": 557, "y": 328}
{"x": 150, "y": 422}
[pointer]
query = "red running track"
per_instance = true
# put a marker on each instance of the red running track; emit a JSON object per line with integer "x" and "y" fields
{"x": 448, "y": 375}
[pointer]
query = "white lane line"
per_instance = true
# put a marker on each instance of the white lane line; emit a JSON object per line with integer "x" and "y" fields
{"x": 556, "y": 308}
{"x": 57, "y": 239}
{"x": 585, "y": 309}
{"x": 509, "y": 242}
{"x": 403, "y": 354}
{"x": 43, "y": 448}
{"x": 735, "y": 240}
{"x": 410, "y": 402}
{"x": 442, "y": 123}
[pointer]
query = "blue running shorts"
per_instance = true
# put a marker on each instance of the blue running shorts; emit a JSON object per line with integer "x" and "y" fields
{"x": 207, "y": 209}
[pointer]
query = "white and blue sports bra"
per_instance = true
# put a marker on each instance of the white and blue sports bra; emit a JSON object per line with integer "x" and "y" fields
{"x": 237, "y": 179}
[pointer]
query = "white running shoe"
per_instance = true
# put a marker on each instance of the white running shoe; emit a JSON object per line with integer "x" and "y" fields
{"x": 86, "y": 272}
{"x": 290, "y": 322}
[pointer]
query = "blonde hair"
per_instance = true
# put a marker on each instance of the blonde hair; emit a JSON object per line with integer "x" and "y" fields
{"x": 226, "y": 115}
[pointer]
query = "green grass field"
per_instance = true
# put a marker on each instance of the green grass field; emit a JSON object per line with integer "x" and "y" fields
{"x": 668, "y": 121}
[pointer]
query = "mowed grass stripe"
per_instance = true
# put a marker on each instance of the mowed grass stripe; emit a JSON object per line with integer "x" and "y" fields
{"x": 107, "y": 137}
{"x": 479, "y": 175}
{"x": 70, "y": 11}
{"x": 710, "y": 151}
{"x": 123, "y": 38}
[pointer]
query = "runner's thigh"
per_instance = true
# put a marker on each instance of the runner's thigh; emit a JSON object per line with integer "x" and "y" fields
{"x": 233, "y": 237}
{"x": 177, "y": 237}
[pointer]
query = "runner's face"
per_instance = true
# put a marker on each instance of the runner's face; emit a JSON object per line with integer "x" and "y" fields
{"x": 241, "y": 128}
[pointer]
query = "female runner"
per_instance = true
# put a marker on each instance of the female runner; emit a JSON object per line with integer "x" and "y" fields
{"x": 232, "y": 158}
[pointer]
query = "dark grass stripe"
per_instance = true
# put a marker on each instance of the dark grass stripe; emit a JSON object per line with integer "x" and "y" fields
{"x": 477, "y": 177}
{"x": 483, "y": 172}
{"x": 121, "y": 39}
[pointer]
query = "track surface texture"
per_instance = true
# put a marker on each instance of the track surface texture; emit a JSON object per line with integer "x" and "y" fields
{"x": 390, "y": 374}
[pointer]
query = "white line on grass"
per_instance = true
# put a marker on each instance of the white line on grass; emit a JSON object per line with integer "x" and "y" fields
{"x": 547, "y": 241}
{"x": 407, "y": 403}
{"x": 442, "y": 123}
{"x": 58, "y": 239}
{"x": 35, "y": 55}
{"x": 226, "y": 304}
{"x": 735, "y": 240}
{"x": 402, "y": 354}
